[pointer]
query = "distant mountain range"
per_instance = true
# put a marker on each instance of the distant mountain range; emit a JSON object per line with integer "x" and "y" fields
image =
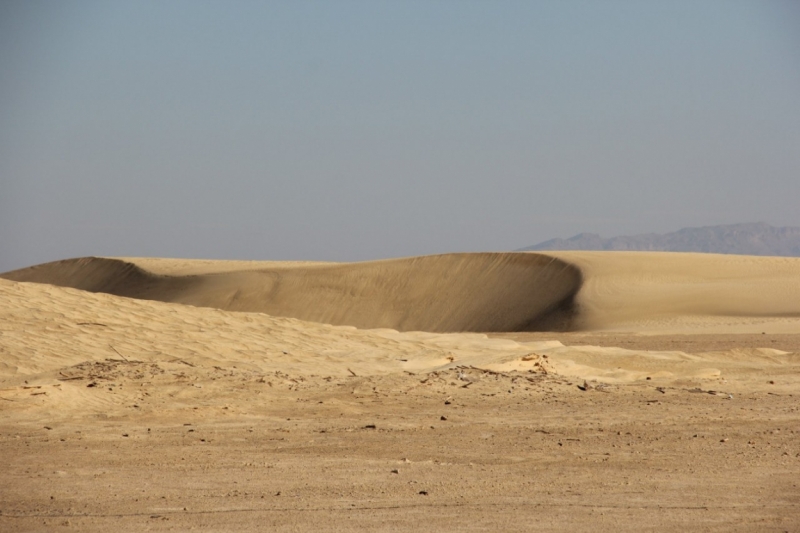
{"x": 746, "y": 239}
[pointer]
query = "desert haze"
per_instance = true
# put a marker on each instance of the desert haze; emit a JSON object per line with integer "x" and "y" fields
{"x": 605, "y": 391}
{"x": 756, "y": 238}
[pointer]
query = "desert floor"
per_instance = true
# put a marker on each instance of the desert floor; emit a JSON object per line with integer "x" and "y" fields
{"x": 131, "y": 415}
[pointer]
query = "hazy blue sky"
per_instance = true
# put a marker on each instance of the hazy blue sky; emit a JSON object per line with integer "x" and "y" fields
{"x": 352, "y": 130}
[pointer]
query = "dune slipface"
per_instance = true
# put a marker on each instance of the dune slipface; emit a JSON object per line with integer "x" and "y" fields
{"x": 445, "y": 293}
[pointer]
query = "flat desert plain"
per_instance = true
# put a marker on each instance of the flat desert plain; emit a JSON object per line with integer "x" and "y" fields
{"x": 581, "y": 391}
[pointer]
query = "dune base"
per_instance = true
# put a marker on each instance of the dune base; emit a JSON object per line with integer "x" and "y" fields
{"x": 175, "y": 447}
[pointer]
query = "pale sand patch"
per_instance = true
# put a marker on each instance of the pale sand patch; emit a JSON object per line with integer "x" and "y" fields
{"x": 652, "y": 292}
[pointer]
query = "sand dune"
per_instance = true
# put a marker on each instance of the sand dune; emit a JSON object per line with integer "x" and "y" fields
{"x": 47, "y": 330}
{"x": 559, "y": 291}
{"x": 109, "y": 308}
{"x": 456, "y": 292}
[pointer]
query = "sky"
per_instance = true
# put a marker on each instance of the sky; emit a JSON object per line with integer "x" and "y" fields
{"x": 358, "y": 130}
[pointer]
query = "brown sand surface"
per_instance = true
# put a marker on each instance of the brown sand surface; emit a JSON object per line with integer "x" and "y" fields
{"x": 134, "y": 414}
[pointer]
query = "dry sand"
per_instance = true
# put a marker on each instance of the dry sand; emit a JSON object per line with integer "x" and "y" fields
{"x": 567, "y": 391}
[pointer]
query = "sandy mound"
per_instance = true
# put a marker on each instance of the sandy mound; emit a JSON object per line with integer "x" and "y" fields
{"x": 48, "y": 330}
{"x": 456, "y": 292}
{"x": 488, "y": 292}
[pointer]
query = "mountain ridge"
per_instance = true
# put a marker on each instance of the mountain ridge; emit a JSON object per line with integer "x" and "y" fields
{"x": 754, "y": 238}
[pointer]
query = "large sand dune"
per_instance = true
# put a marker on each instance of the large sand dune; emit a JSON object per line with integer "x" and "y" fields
{"x": 457, "y": 292}
{"x": 485, "y": 292}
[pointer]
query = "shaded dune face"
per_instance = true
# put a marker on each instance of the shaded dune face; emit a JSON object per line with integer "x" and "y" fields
{"x": 483, "y": 292}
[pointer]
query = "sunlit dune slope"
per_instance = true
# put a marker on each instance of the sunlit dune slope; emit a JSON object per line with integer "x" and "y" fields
{"x": 486, "y": 292}
{"x": 454, "y": 292}
{"x": 686, "y": 292}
